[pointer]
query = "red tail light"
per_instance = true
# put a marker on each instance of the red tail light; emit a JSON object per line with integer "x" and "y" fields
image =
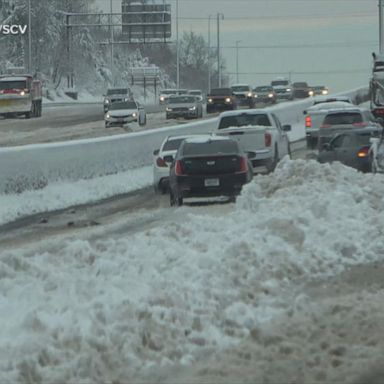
{"x": 268, "y": 139}
{"x": 160, "y": 162}
{"x": 243, "y": 164}
{"x": 325, "y": 126}
{"x": 179, "y": 168}
{"x": 363, "y": 152}
{"x": 308, "y": 121}
{"x": 361, "y": 124}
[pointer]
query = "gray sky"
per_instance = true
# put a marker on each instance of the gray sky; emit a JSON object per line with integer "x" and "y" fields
{"x": 320, "y": 41}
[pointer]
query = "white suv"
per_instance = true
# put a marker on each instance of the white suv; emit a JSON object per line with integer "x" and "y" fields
{"x": 283, "y": 88}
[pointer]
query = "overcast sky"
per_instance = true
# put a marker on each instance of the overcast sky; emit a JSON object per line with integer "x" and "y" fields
{"x": 321, "y": 41}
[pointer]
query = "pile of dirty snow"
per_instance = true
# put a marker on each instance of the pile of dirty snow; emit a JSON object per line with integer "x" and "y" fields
{"x": 152, "y": 306}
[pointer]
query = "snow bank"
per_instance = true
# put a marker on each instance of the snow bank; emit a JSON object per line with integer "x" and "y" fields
{"x": 126, "y": 309}
{"x": 65, "y": 194}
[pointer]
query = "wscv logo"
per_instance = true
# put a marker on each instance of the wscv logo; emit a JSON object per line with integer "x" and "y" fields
{"x": 13, "y": 29}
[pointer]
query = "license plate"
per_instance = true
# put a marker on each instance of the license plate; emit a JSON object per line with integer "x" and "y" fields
{"x": 211, "y": 182}
{"x": 5, "y": 102}
{"x": 120, "y": 120}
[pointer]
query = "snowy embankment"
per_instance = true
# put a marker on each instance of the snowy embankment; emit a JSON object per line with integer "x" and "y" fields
{"x": 61, "y": 164}
{"x": 129, "y": 309}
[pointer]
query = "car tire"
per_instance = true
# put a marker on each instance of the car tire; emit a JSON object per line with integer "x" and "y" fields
{"x": 289, "y": 151}
{"x": 274, "y": 161}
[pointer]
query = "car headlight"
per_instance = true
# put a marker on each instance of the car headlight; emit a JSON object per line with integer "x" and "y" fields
{"x": 255, "y": 96}
{"x": 22, "y": 93}
{"x": 210, "y": 100}
{"x": 324, "y": 92}
{"x": 106, "y": 101}
{"x": 162, "y": 98}
{"x": 168, "y": 109}
{"x": 270, "y": 94}
{"x": 228, "y": 100}
{"x": 249, "y": 94}
{"x": 134, "y": 114}
{"x": 192, "y": 108}
{"x": 107, "y": 115}
{"x": 310, "y": 93}
{"x": 289, "y": 89}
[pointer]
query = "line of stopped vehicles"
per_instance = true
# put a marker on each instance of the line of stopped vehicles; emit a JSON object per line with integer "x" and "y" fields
{"x": 249, "y": 142}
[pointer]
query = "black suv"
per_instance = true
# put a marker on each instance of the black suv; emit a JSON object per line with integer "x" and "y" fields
{"x": 207, "y": 166}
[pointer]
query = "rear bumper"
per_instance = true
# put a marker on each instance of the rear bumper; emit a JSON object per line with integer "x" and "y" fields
{"x": 194, "y": 186}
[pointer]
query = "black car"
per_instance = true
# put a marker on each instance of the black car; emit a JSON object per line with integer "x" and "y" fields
{"x": 350, "y": 148}
{"x": 208, "y": 166}
{"x": 221, "y": 99}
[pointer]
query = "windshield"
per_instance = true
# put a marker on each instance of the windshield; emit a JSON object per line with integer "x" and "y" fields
{"x": 263, "y": 89}
{"x": 12, "y": 85}
{"x": 181, "y": 99}
{"x": 172, "y": 144}
{"x": 123, "y": 105}
{"x": 342, "y": 118}
{"x": 221, "y": 92}
{"x": 279, "y": 83}
{"x": 117, "y": 91}
{"x": 240, "y": 88}
{"x": 244, "y": 120}
{"x": 197, "y": 93}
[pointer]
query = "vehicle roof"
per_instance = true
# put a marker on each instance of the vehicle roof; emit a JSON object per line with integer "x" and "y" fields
{"x": 318, "y": 86}
{"x": 331, "y": 105}
{"x": 240, "y": 85}
{"x": 178, "y": 137}
{"x": 245, "y": 112}
{"x": 14, "y": 78}
{"x": 195, "y": 90}
{"x": 280, "y": 78}
{"x": 348, "y": 109}
{"x": 206, "y": 139}
{"x": 369, "y": 128}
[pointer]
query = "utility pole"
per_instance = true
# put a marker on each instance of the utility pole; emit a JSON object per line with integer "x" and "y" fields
{"x": 177, "y": 47}
{"x": 209, "y": 53}
{"x": 219, "y": 16}
{"x": 111, "y": 41}
{"x": 237, "y": 61}
{"x": 29, "y": 38}
{"x": 381, "y": 27}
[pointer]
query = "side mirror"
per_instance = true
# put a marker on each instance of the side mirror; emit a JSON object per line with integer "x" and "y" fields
{"x": 327, "y": 147}
{"x": 156, "y": 152}
{"x": 287, "y": 128}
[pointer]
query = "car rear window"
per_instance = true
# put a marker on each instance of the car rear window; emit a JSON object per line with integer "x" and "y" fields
{"x": 343, "y": 118}
{"x": 172, "y": 145}
{"x": 212, "y": 147}
{"x": 244, "y": 120}
{"x": 240, "y": 88}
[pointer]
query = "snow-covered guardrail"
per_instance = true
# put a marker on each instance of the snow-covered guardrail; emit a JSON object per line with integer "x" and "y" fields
{"x": 34, "y": 166}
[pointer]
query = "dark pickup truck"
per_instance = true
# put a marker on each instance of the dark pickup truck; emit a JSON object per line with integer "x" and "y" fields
{"x": 221, "y": 99}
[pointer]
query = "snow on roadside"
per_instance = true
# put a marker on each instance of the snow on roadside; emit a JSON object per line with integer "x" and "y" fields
{"x": 110, "y": 310}
{"x": 61, "y": 195}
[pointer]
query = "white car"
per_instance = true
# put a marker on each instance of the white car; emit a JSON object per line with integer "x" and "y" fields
{"x": 163, "y": 158}
{"x": 125, "y": 112}
{"x": 259, "y": 133}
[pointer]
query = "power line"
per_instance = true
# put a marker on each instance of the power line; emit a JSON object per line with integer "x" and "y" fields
{"x": 309, "y": 45}
{"x": 326, "y": 72}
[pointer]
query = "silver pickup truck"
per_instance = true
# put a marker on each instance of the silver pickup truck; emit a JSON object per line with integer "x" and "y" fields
{"x": 260, "y": 134}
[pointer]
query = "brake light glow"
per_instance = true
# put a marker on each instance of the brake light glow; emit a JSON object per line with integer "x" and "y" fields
{"x": 267, "y": 139}
{"x": 243, "y": 164}
{"x": 160, "y": 162}
{"x": 179, "y": 168}
{"x": 361, "y": 124}
{"x": 308, "y": 121}
{"x": 363, "y": 152}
